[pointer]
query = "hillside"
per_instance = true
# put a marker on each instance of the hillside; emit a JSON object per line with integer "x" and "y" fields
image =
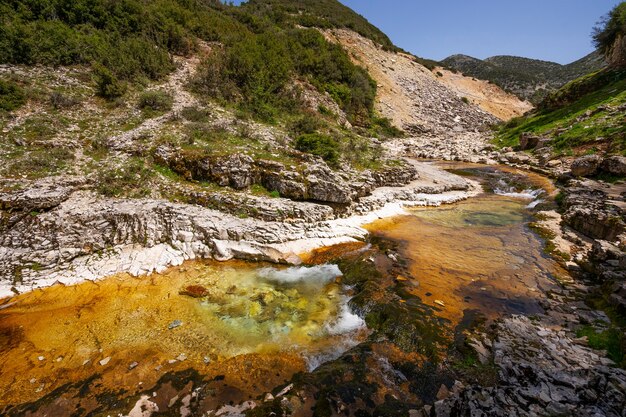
{"x": 488, "y": 96}
{"x": 584, "y": 116}
{"x": 322, "y": 14}
{"x": 530, "y": 79}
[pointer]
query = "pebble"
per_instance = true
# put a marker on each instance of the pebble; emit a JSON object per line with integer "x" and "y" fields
{"x": 105, "y": 361}
{"x": 42, "y": 358}
{"x": 182, "y": 357}
{"x": 175, "y": 324}
{"x": 133, "y": 365}
{"x": 440, "y": 303}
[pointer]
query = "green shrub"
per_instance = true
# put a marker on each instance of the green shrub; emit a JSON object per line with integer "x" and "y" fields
{"x": 41, "y": 162}
{"x": 160, "y": 101}
{"x": 382, "y": 127}
{"x": 195, "y": 114}
{"x": 131, "y": 38}
{"x": 320, "y": 145}
{"x": 255, "y": 71}
{"x": 305, "y": 124}
{"x": 58, "y": 100}
{"x": 612, "y": 340}
{"x": 323, "y": 14}
{"x": 465, "y": 100}
{"x": 12, "y": 97}
{"x": 107, "y": 84}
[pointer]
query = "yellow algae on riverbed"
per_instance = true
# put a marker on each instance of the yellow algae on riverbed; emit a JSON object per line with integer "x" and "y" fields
{"x": 478, "y": 254}
{"x": 255, "y": 325}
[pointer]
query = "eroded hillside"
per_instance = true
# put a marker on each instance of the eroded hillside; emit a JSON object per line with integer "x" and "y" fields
{"x": 419, "y": 101}
{"x": 486, "y": 95}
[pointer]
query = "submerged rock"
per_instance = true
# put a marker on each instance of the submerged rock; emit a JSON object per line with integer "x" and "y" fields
{"x": 175, "y": 324}
{"x": 195, "y": 291}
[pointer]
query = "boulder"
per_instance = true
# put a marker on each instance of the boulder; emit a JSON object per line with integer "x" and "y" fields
{"x": 528, "y": 141}
{"x": 586, "y": 166}
{"x": 325, "y": 185}
{"x": 287, "y": 183}
{"x": 614, "y": 165}
{"x": 618, "y": 297}
{"x": 236, "y": 171}
{"x": 606, "y": 251}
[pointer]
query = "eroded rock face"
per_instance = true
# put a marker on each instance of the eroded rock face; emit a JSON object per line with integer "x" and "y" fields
{"x": 89, "y": 237}
{"x": 588, "y": 211}
{"x": 542, "y": 372}
{"x": 586, "y": 166}
{"x": 608, "y": 261}
{"x": 313, "y": 181}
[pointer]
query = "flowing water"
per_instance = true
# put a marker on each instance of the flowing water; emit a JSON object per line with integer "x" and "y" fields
{"x": 257, "y": 325}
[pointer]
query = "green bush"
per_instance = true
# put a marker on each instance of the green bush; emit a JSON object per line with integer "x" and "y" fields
{"x": 12, "y": 97}
{"x": 382, "y": 127}
{"x": 612, "y": 340}
{"x": 58, "y": 100}
{"x": 131, "y": 38}
{"x": 323, "y": 14}
{"x": 130, "y": 180}
{"x": 305, "y": 124}
{"x": 610, "y": 28}
{"x": 320, "y": 145}
{"x": 160, "y": 101}
{"x": 255, "y": 71}
{"x": 107, "y": 84}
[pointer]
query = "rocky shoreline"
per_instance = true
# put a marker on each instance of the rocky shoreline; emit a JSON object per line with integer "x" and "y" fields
{"x": 543, "y": 368}
{"x": 60, "y": 234}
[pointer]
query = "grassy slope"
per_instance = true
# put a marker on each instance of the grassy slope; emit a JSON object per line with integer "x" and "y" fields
{"x": 577, "y": 117}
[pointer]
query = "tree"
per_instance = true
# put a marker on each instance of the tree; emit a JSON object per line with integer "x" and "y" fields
{"x": 609, "y": 33}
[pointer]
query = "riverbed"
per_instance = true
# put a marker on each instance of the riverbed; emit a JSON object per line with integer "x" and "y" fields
{"x": 251, "y": 327}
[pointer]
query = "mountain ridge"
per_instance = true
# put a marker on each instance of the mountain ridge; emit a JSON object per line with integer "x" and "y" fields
{"x": 528, "y": 78}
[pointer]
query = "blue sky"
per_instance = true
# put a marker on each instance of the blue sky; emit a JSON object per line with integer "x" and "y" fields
{"x": 553, "y": 30}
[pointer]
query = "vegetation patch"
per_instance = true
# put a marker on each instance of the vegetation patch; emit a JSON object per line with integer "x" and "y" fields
{"x": 129, "y": 180}
{"x": 40, "y": 162}
{"x": 255, "y": 72}
{"x": 612, "y": 340}
{"x": 582, "y": 113}
{"x": 320, "y": 145}
{"x": 156, "y": 101}
{"x": 12, "y": 97}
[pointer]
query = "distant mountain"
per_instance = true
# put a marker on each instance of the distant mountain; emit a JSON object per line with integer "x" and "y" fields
{"x": 531, "y": 79}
